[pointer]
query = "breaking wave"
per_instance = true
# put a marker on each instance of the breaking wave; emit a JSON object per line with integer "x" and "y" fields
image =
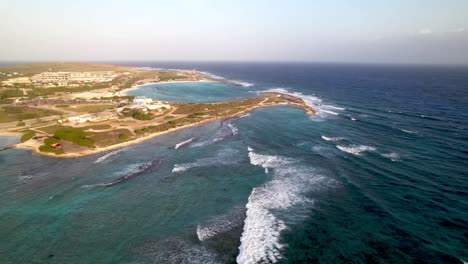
{"x": 110, "y": 154}
{"x": 241, "y": 83}
{"x": 174, "y": 250}
{"x": 312, "y": 101}
{"x": 260, "y": 241}
{"x": 131, "y": 172}
{"x": 224, "y": 157}
{"x": 356, "y": 149}
{"x": 331, "y": 138}
{"x": 220, "y": 224}
{"x": 408, "y": 131}
{"x": 180, "y": 144}
{"x": 226, "y": 129}
{"x": 391, "y": 156}
{"x": 227, "y": 81}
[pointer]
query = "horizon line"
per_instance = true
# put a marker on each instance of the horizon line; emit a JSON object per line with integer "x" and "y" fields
{"x": 235, "y": 61}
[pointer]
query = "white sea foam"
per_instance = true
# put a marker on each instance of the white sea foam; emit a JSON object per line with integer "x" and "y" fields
{"x": 329, "y": 112}
{"x": 331, "y": 138}
{"x": 25, "y": 177}
{"x": 124, "y": 174}
{"x": 110, "y": 154}
{"x": 224, "y": 157}
{"x": 312, "y": 101}
{"x": 244, "y": 115}
{"x": 180, "y": 144}
{"x": 333, "y": 107}
{"x": 220, "y": 224}
{"x": 241, "y": 83}
{"x": 227, "y": 129}
{"x": 234, "y": 129}
{"x": 392, "y": 156}
{"x": 356, "y": 149}
{"x": 408, "y": 131}
{"x": 353, "y": 119}
{"x": 181, "y": 167}
{"x": 260, "y": 241}
{"x": 173, "y": 250}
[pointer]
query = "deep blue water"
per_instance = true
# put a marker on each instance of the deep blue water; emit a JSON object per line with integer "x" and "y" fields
{"x": 379, "y": 176}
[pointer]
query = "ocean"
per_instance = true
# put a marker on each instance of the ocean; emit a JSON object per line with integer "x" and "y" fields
{"x": 379, "y": 175}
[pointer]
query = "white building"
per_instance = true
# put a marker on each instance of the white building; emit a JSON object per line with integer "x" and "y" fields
{"x": 94, "y": 76}
{"x": 148, "y": 103}
{"x": 141, "y": 101}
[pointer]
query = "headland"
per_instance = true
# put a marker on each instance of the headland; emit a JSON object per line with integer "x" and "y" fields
{"x": 69, "y": 110}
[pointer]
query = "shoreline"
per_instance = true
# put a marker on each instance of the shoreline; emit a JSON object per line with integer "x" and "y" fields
{"x": 34, "y": 147}
{"x": 135, "y": 87}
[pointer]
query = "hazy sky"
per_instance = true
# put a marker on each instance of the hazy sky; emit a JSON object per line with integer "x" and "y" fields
{"x": 383, "y": 31}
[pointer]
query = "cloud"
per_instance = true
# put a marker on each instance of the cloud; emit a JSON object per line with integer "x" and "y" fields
{"x": 425, "y": 31}
{"x": 458, "y": 30}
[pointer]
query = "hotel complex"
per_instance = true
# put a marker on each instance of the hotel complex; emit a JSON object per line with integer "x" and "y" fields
{"x": 94, "y": 76}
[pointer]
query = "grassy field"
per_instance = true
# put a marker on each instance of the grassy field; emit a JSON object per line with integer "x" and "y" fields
{"x": 17, "y": 113}
{"x": 34, "y": 68}
{"x": 90, "y": 108}
{"x": 103, "y": 139}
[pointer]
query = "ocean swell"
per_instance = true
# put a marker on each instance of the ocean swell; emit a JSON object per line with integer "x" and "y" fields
{"x": 269, "y": 204}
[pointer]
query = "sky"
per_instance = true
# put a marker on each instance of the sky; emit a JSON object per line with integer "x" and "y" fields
{"x": 351, "y": 31}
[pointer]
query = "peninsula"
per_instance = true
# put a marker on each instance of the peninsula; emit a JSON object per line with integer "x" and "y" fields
{"x": 70, "y": 110}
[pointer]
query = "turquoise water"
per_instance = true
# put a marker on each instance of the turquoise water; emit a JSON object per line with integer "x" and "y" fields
{"x": 194, "y": 92}
{"x": 379, "y": 176}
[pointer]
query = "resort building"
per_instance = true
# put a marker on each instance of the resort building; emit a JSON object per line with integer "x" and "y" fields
{"x": 95, "y": 76}
{"x": 145, "y": 102}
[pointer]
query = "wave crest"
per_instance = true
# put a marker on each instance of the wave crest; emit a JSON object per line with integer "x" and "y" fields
{"x": 269, "y": 205}
{"x": 356, "y": 149}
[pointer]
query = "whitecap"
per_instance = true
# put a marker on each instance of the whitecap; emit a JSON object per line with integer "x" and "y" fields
{"x": 227, "y": 129}
{"x": 312, "y": 101}
{"x": 234, "y": 129}
{"x": 333, "y": 107}
{"x": 244, "y": 115}
{"x": 391, "y": 156}
{"x": 224, "y": 157}
{"x": 110, "y": 154}
{"x": 128, "y": 173}
{"x": 181, "y": 167}
{"x": 180, "y": 144}
{"x": 331, "y": 138}
{"x": 328, "y": 112}
{"x": 356, "y": 149}
{"x": 353, "y": 119}
{"x": 220, "y": 224}
{"x": 408, "y": 131}
{"x": 260, "y": 240}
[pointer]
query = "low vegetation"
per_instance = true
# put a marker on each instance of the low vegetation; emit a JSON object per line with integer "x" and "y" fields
{"x": 20, "y": 113}
{"x": 27, "y": 136}
{"x": 47, "y": 148}
{"x": 75, "y": 135}
{"x": 137, "y": 114}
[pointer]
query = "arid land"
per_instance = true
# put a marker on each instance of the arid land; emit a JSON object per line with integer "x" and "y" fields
{"x": 86, "y": 115}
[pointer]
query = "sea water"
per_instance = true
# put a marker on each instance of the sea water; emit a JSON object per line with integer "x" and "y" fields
{"x": 378, "y": 176}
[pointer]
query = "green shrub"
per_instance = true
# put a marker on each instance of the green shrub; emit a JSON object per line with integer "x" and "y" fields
{"x": 137, "y": 114}
{"x": 75, "y": 135}
{"x": 124, "y": 136}
{"x": 27, "y": 136}
{"x": 45, "y": 148}
{"x": 51, "y": 141}
{"x": 13, "y": 109}
{"x": 21, "y": 123}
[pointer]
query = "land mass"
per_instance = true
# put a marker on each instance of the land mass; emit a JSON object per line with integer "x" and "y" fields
{"x": 74, "y": 109}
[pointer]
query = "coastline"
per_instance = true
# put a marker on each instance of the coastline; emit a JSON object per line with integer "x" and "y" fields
{"x": 35, "y": 146}
{"x": 135, "y": 87}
